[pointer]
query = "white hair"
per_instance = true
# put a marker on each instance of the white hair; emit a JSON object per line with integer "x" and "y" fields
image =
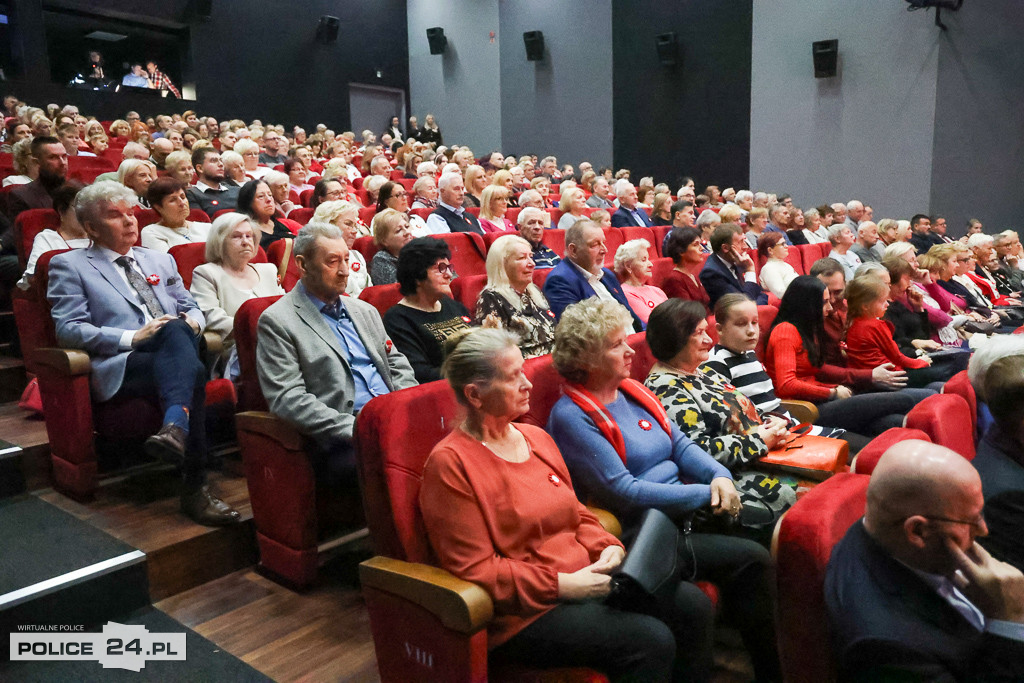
{"x": 998, "y": 346}
{"x": 231, "y": 157}
{"x": 979, "y": 239}
{"x": 222, "y": 226}
{"x": 451, "y": 167}
{"x": 629, "y": 253}
{"x": 102, "y": 192}
{"x": 273, "y": 177}
{"x": 707, "y": 218}
{"x": 304, "y": 241}
{"x": 622, "y": 187}
{"x": 447, "y": 179}
{"x": 245, "y": 145}
{"x": 525, "y": 213}
{"x": 130, "y": 166}
{"x": 853, "y": 205}
{"x": 835, "y": 231}
{"x": 745, "y": 195}
{"x": 426, "y": 167}
{"x": 328, "y": 212}
{"x": 497, "y": 271}
{"x": 896, "y": 249}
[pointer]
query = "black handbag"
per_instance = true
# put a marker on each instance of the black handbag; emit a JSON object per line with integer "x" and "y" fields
{"x": 652, "y": 568}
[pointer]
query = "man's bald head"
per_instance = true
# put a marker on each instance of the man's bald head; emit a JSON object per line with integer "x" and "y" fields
{"x": 921, "y": 495}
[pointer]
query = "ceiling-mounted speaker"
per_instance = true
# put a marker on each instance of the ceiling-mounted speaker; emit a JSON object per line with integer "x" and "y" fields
{"x": 438, "y": 43}
{"x": 667, "y": 45}
{"x": 534, "y": 42}
{"x": 327, "y": 29}
{"x": 826, "y": 58}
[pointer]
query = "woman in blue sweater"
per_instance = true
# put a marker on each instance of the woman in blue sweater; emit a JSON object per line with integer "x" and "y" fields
{"x": 626, "y": 455}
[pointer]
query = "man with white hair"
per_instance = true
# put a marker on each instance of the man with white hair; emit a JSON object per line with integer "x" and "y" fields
{"x": 601, "y": 199}
{"x": 1008, "y": 272}
{"x": 744, "y": 200}
{"x": 380, "y": 166}
{"x": 629, "y": 214}
{"x": 760, "y": 200}
{"x": 911, "y": 595}
{"x": 867, "y": 237}
{"x": 532, "y": 223}
{"x": 450, "y": 216}
{"x": 127, "y": 308}
{"x": 854, "y": 213}
{"x": 778, "y": 221}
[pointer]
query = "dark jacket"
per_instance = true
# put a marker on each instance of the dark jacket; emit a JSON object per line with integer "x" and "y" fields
{"x": 566, "y": 285}
{"x": 622, "y": 218}
{"x": 1000, "y": 462}
{"x": 720, "y": 279}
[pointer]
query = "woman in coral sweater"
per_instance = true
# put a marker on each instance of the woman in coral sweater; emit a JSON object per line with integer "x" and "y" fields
{"x": 794, "y": 360}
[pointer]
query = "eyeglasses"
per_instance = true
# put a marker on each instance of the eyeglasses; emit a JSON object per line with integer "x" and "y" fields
{"x": 398, "y": 194}
{"x": 445, "y": 269}
{"x": 977, "y": 523}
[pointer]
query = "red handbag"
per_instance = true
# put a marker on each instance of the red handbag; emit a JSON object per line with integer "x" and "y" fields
{"x": 807, "y": 456}
{"x": 31, "y": 399}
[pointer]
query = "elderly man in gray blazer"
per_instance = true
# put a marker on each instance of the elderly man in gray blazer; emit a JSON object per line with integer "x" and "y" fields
{"x": 320, "y": 355}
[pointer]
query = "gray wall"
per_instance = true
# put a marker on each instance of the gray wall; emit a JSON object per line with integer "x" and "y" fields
{"x": 979, "y": 118}
{"x": 462, "y": 87}
{"x": 563, "y": 104}
{"x": 865, "y": 134}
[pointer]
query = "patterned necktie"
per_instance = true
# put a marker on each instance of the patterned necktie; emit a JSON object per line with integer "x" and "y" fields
{"x": 141, "y": 287}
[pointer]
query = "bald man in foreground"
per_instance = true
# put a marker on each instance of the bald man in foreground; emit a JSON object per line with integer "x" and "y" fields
{"x": 911, "y": 596}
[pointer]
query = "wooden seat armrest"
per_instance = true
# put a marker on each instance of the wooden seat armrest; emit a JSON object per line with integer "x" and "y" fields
{"x": 609, "y": 521}
{"x": 68, "y": 362}
{"x": 271, "y": 426}
{"x": 460, "y": 605}
{"x": 803, "y": 411}
{"x": 214, "y": 344}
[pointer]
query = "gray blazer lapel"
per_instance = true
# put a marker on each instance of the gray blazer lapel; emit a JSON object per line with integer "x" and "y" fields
{"x": 106, "y": 269}
{"x": 305, "y": 309}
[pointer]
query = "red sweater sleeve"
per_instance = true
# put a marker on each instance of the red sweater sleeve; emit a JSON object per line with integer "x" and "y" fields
{"x": 784, "y": 356}
{"x": 870, "y": 343}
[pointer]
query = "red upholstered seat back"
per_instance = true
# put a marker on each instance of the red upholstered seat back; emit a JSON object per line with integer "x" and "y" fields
{"x": 554, "y": 240}
{"x": 301, "y": 215}
{"x": 394, "y": 435}
{"x": 27, "y": 225}
{"x": 422, "y": 213}
{"x": 809, "y": 253}
{"x": 960, "y": 385}
{"x": 467, "y": 289}
{"x": 659, "y": 236}
{"x": 250, "y": 397}
{"x": 945, "y": 419}
{"x": 366, "y": 215}
{"x": 869, "y": 456}
{"x": 275, "y": 254}
{"x": 802, "y": 549}
{"x": 366, "y": 247}
{"x": 613, "y": 238}
{"x": 547, "y": 389}
{"x": 765, "y": 318}
{"x": 643, "y": 361}
{"x": 467, "y": 252}
{"x": 188, "y": 256}
{"x": 636, "y": 232}
{"x": 381, "y": 297}
{"x": 795, "y": 258}
{"x": 662, "y": 267}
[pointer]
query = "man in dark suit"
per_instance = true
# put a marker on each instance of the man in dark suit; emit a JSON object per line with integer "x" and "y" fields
{"x": 629, "y": 214}
{"x": 450, "y": 216}
{"x": 922, "y": 237}
{"x": 581, "y": 274}
{"x": 211, "y": 193}
{"x": 1000, "y": 460}
{"x": 53, "y": 170}
{"x": 729, "y": 268}
{"x": 126, "y": 306}
{"x": 910, "y": 595}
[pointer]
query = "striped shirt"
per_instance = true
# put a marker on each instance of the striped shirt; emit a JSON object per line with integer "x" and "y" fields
{"x": 747, "y": 374}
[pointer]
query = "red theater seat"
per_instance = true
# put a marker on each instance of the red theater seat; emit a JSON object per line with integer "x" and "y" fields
{"x": 188, "y": 256}
{"x": 467, "y": 252}
{"x": 366, "y": 215}
{"x": 946, "y": 419}
{"x": 381, "y": 297}
{"x": 634, "y": 232}
{"x": 275, "y": 254}
{"x": 408, "y": 598}
{"x": 467, "y": 289}
{"x": 27, "y": 225}
{"x": 659, "y": 236}
{"x": 613, "y": 238}
{"x": 554, "y": 240}
{"x": 662, "y": 268}
{"x": 868, "y": 457}
{"x": 960, "y": 385}
{"x": 802, "y": 546}
{"x": 301, "y": 215}
{"x": 366, "y": 246}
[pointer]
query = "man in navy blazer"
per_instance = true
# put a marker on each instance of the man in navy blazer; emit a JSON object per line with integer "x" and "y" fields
{"x": 581, "y": 274}
{"x": 1000, "y": 460}
{"x": 629, "y": 214}
{"x": 127, "y": 308}
{"x": 911, "y": 596}
{"x": 729, "y": 268}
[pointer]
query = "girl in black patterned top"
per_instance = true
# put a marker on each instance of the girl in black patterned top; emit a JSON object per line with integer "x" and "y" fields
{"x": 511, "y": 300}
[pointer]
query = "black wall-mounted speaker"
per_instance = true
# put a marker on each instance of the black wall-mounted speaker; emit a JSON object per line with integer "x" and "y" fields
{"x": 667, "y": 45}
{"x": 534, "y": 42}
{"x": 438, "y": 43}
{"x": 327, "y": 29}
{"x": 826, "y": 58}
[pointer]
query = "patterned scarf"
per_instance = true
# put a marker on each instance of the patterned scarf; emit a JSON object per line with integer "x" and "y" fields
{"x": 604, "y": 421}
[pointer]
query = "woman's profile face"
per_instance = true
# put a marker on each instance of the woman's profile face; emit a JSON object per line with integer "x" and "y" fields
{"x": 617, "y": 358}
{"x": 263, "y": 202}
{"x": 642, "y": 267}
{"x": 348, "y": 221}
{"x": 698, "y": 346}
{"x": 508, "y": 394}
{"x": 519, "y": 266}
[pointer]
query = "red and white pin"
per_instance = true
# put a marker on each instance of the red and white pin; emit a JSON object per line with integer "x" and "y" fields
{"x": 553, "y": 478}
{"x": 645, "y": 425}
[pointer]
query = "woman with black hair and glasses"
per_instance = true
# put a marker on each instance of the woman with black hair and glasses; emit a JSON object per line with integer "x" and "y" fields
{"x": 256, "y": 201}
{"x": 794, "y": 361}
{"x": 393, "y": 195}
{"x": 427, "y": 314}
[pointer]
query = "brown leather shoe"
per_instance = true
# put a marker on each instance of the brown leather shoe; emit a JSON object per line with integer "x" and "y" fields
{"x": 207, "y": 509}
{"x": 168, "y": 444}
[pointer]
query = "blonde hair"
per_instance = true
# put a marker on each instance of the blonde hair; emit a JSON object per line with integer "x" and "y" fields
{"x": 898, "y": 249}
{"x": 490, "y": 193}
{"x": 730, "y": 213}
{"x": 501, "y": 177}
{"x": 383, "y": 223}
{"x": 328, "y": 212}
{"x": 472, "y": 173}
{"x": 582, "y": 335}
{"x": 861, "y": 292}
{"x": 498, "y": 257}
{"x": 565, "y": 201}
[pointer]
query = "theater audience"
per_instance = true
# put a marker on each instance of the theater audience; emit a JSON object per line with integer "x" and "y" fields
{"x": 532, "y": 223}
{"x": 126, "y": 307}
{"x": 814, "y": 231}
{"x": 842, "y": 239}
{"x": 475, "y": 180}
{"x": 427, "y": 314}
{"x": 867, "y": 238}
{"x": 629, "y": 213}
{"x": 729, "y": 268}
{"x": 572, "y": 203}
{"x": 795, "y": 361}
{"x": 69, "y": 234}
{"x": 683, "y": 246}
{"x": 511, "y": 300}
{"x": 776, "y": 273}
{"x": 757, "y": 223}
{"x": 211, "y": 193}
{"x": 547, "y": 587}
{"x": 278, "y": 183}
{"x": 390, "y": 234}
{"x": 345, "y": 216}
{"x": 601, "y": 197}
{"x": 581, "y": 274}
{"x": 717, "y": 416}
{"x": 256, "y": 201}
{"x": 493, "y": 206}
{"x": 626, "y": 455}
{"x": 168, "y": 199}
{"x": 26, "y": 167}
{"x": 137, "y": 175}
{"x": 633, "y": 267}
{"x": 52, "y": 159}
{"x": 424, "y": 193}
{"x": 450, "y": 215}
{"x": 321, "y": 356}
{"x": 393, "y": 195}
{"x": 910, "y": 593}
{"x": 179, "y": 167}
{"x": 228, "y": 279}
